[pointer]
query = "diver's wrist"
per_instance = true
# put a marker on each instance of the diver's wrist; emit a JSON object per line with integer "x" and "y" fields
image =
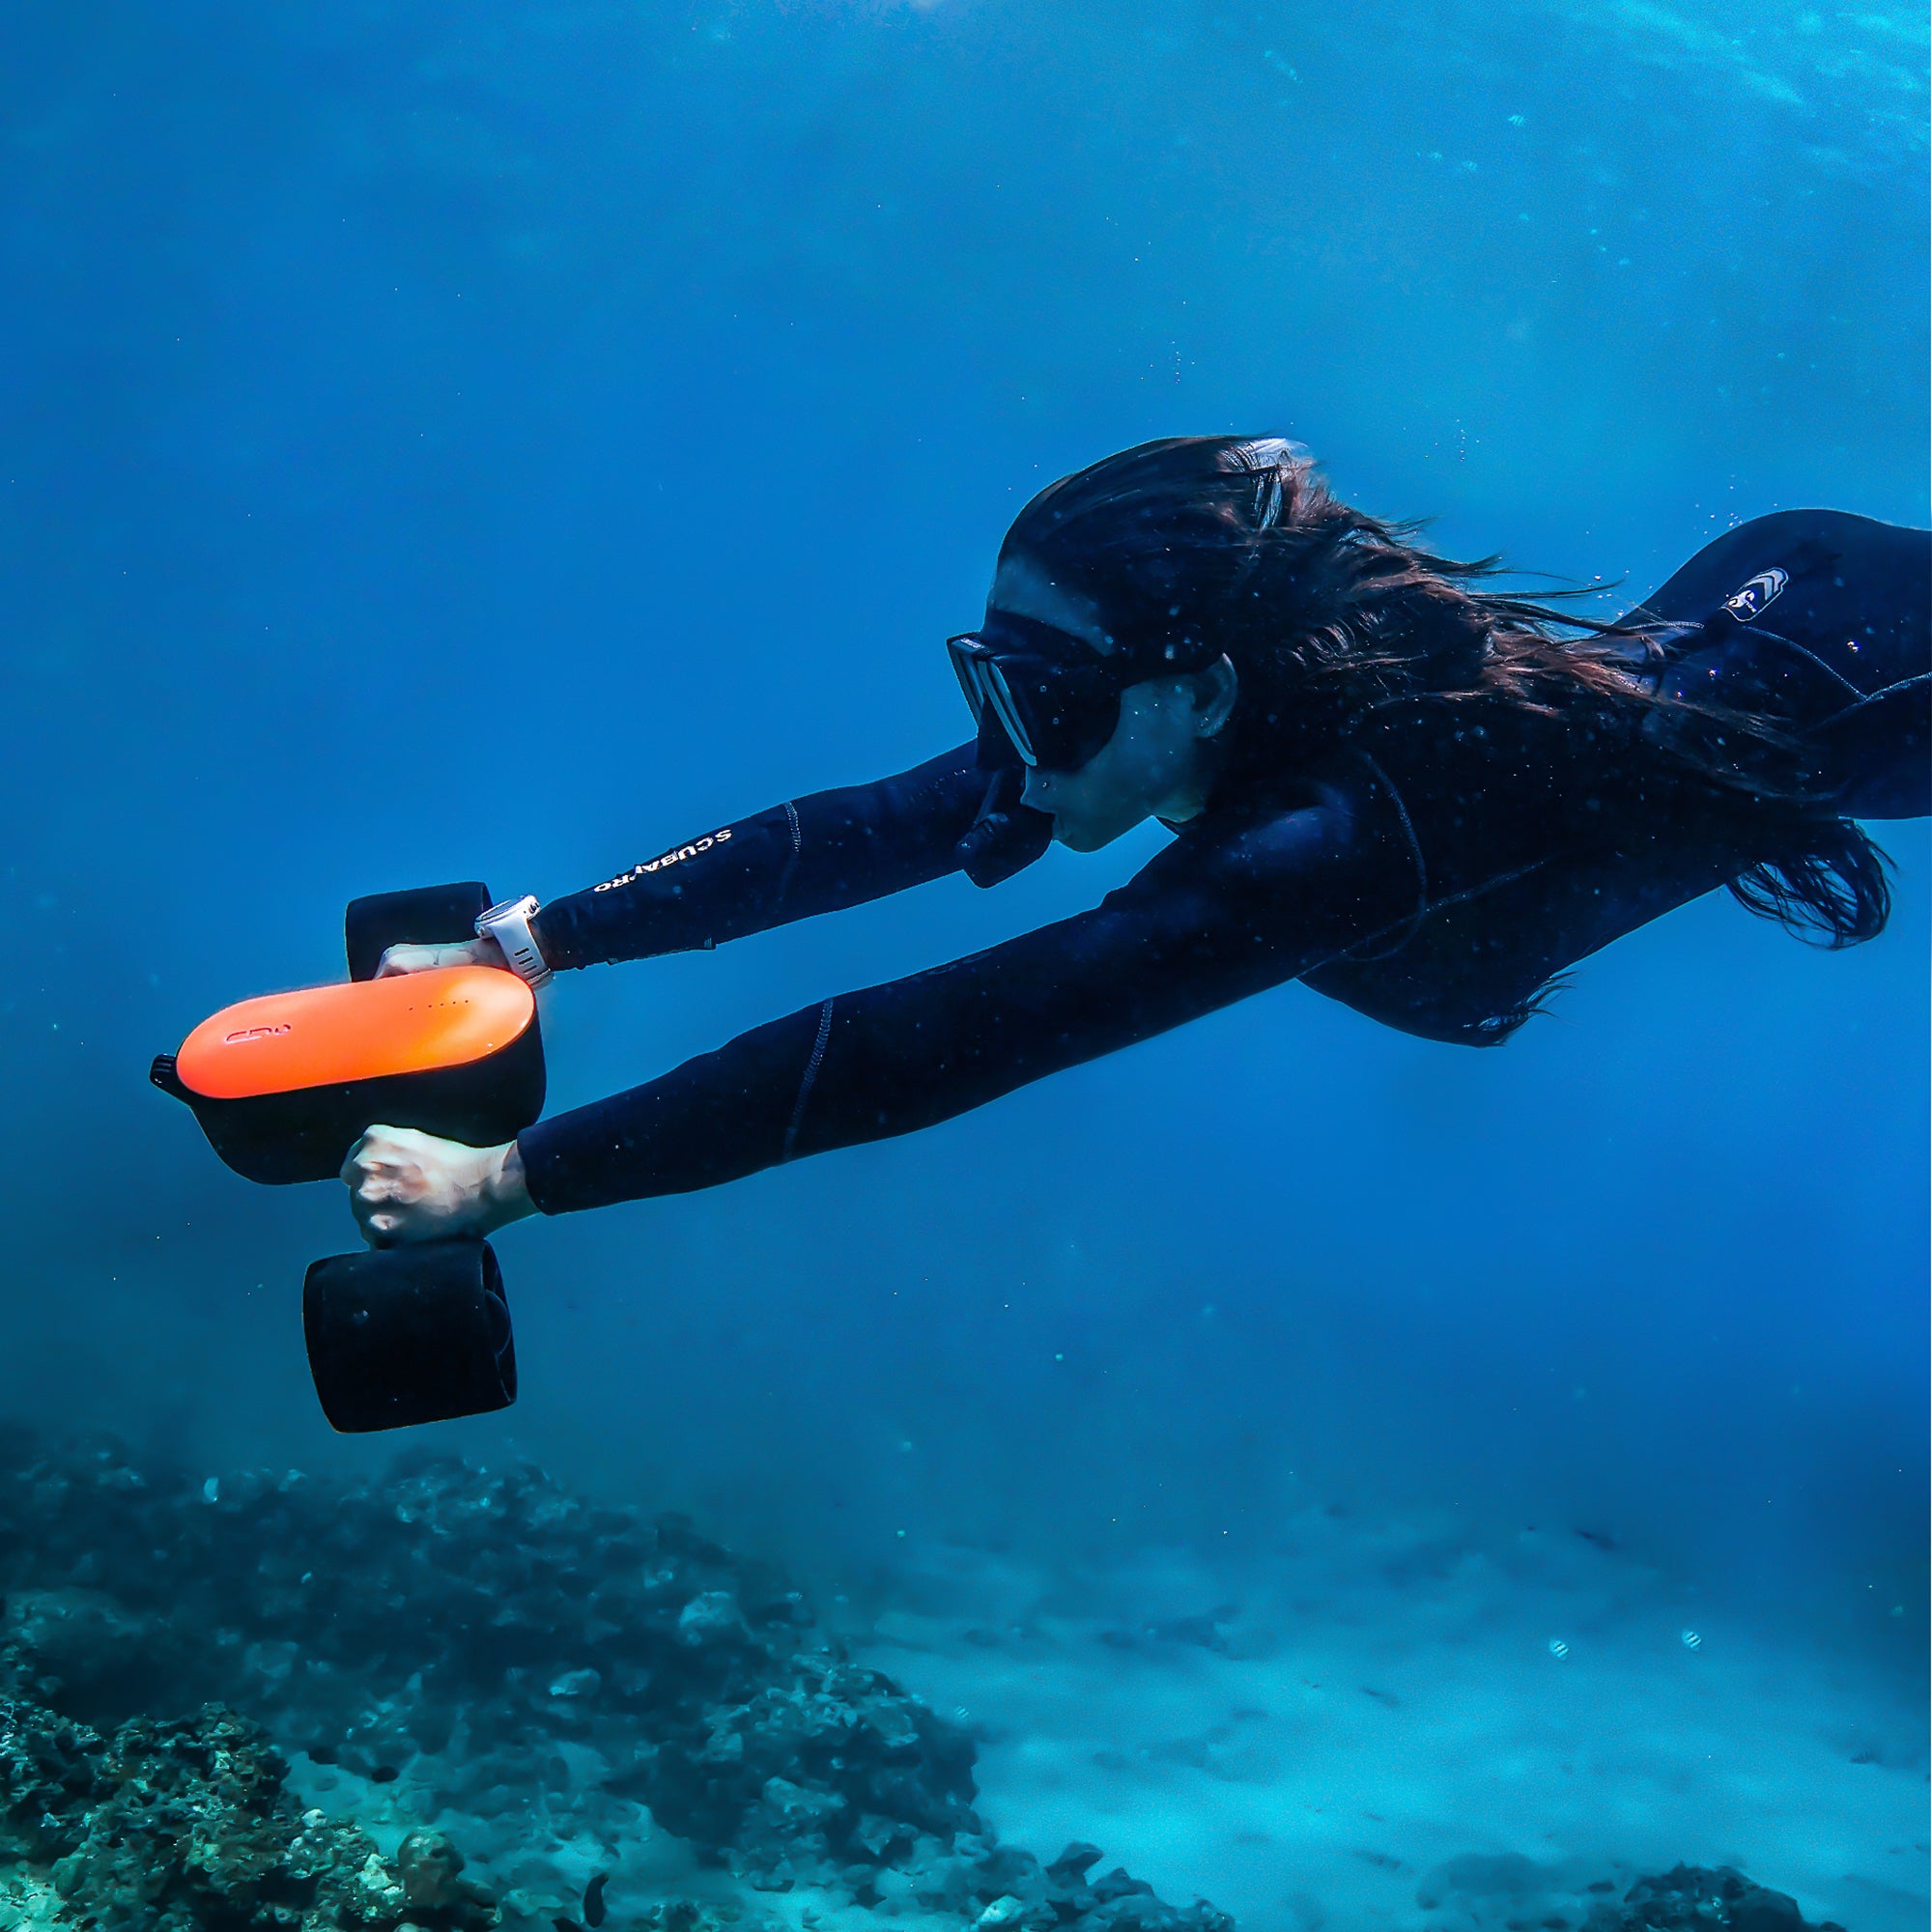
{"x": 509, "y": 924}
{"x": 505, "y": 1191}
{"x": 548, "y": 945}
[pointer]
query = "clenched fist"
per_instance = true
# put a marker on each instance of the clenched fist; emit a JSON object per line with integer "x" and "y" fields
{"x": 479, "y": 951}
{"x": 407, "y": 1186}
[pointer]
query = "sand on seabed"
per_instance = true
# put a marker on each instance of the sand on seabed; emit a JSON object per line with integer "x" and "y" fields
{"x": 1321, "y": 1745}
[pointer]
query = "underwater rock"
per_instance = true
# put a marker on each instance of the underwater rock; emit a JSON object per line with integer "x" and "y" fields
{"x": 48, "y": 1770}
{"x": 713, "y": 1616}
{"x": 431, "y": 1870}
{"x": 185, "y": 1826}
{"x": 1506, "y": 1889}
{"x": 1691, "y": 1898}
{"x": 489, "y": 1634}
{"x": 507, "y": 1649}
{"x": 84, "y": 1650}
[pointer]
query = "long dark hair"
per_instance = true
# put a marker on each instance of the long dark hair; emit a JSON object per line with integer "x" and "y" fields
{"x": 1197, "y": 546}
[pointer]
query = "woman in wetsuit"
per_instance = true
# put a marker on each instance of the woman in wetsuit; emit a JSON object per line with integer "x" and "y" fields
{"x": 1414, "y": 794}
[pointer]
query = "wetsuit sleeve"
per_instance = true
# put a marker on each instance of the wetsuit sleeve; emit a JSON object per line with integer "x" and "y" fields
{"x": 1195, "y": 930}
{"x": 806, "y": 856}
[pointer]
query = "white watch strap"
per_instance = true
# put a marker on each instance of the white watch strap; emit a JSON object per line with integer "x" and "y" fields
{"x": 509, "y": 924}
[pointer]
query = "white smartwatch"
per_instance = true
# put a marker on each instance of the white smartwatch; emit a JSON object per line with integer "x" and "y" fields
{"x": 509, "y": 924}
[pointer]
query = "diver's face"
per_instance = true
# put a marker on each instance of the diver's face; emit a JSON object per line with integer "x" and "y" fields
{"x": 1161, "y": 759}
{"x": 1152, "y": 767}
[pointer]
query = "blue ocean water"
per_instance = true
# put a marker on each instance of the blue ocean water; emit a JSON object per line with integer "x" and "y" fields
{"x": 498, "y": 441}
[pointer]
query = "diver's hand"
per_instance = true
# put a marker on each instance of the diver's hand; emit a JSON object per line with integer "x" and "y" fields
{"x": 407, "y": 1186}
{"x": 483, "y": 950}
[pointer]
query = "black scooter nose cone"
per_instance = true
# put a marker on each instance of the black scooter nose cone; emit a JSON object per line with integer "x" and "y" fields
{"x": 399, "y": 1336}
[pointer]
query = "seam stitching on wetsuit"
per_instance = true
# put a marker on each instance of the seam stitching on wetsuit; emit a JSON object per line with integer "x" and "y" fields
{"x": 1350, "y": 954}
{"x": 1495, "y": 884}
{"x": 804, "y": 1085}
{"x": 1812, "y": 657}
{"x": 1407, "y": 928}
{"x": 1883, "y": 690}
{"x": 791, "y": 864}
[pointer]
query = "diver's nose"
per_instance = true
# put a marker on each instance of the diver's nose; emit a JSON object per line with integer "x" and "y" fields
{"x": 1038, "y": 789}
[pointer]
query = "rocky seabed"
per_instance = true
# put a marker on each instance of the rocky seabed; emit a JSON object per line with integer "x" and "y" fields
{"x": 457, "y": 1698}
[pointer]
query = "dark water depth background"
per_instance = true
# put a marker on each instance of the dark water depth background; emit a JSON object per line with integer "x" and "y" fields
{"x": 501, "y": 440}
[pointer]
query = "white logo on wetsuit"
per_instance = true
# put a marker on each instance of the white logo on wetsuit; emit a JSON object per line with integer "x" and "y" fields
{"x": 1745, "y": 604}
{"x": 675, "y": 857}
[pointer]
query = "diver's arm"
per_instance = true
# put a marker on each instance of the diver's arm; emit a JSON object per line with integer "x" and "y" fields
{"x": 807, "y": 856}
{"x": 1197, "y": 929}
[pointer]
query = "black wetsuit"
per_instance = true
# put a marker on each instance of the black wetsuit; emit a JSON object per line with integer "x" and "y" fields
{"x": 1433, "y": 873}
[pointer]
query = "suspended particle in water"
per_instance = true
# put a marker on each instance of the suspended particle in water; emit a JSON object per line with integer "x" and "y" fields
{"x": 1558, "y": 1648}
{"x": 1691, "y": 1639}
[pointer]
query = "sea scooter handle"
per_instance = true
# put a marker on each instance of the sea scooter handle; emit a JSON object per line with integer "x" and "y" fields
{"x": 284, "y": 1086}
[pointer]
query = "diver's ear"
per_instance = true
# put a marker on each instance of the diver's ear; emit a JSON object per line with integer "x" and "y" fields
{"x": 1215, "y": 690}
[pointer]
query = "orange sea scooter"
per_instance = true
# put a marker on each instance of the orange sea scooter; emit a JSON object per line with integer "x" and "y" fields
{"x": 284, "y": 1086}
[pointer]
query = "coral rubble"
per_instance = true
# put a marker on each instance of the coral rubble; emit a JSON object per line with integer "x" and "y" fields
{"x": 185, "y": 1825}
{"x": 496, "y": 1638}
{"x": 510, "y": 1655}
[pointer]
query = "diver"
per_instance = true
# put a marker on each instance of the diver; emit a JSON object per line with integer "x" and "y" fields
{"x": 1384, "y": 778}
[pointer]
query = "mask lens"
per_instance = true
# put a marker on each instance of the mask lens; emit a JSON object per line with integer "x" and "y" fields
{"x": 1000, "y": 696}
{"x": 968, "y": 669}
{"x": 1053, "y": 713}
{"x": 1061, "y": 715}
